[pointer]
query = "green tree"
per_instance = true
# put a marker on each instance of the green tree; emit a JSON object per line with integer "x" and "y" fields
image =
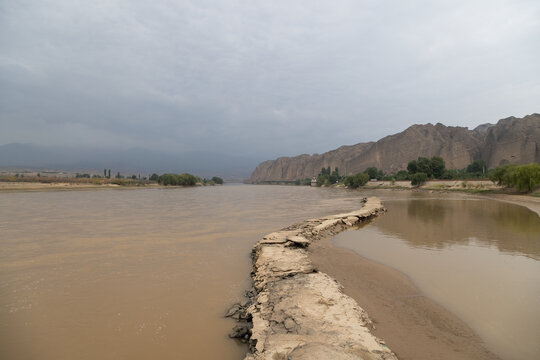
{"x": 154, "y": 177}
{"x": 477, "y": 167}
{"x": 498, "y": 175}
{"x": 437, "y": 166}
{"x": 109, "y": 174}
{"x": 423, "y": 165}
{"x": 217, "y": 180}
{"x": 412, "y": 167}
{"x": 104, "y": 173}
{"x": 523, "y": 178}
{"x": 372, "y": 172}
{"x": 334, "y": 176}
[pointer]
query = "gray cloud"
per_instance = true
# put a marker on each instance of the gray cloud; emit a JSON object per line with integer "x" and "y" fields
{"x": 263, "y": 78}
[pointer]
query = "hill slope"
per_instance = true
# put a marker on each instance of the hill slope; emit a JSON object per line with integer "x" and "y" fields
{"x": 511, "y": 140}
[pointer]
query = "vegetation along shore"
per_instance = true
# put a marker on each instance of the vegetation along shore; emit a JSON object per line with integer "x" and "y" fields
{"x": 35, "y": 181}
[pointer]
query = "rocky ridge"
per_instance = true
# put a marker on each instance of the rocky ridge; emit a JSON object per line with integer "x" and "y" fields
{"x": 511, "y": 140}
{"x": 297, "y": 312}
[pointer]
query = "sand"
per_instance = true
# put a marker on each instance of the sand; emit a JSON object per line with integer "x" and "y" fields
{"x": 530, "y": 202}
{"x": 412, "y": 325}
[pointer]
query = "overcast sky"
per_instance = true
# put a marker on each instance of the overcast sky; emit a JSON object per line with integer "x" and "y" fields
{"x": 260, "y": 78}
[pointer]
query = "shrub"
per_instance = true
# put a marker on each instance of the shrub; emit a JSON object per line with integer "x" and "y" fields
{"x": 217, "y": 180}
{"x": 524, "y": 178}
{"x": 354, "y": 181}
{"x": 178, "y": 180}
{"x": 402, "y": 175}
{"x": 418, "y": 179}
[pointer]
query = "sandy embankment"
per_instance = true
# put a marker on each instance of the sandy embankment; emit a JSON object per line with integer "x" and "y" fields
{"x": 297, "y": 310}
{"x": 36, "y": 186}
{"x": 530, "y": 202}
{"x": 437, "y": 185}
{"x": 413, "y": 326}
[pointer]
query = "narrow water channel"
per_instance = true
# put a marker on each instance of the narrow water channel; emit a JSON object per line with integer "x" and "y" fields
{"x": 478, "y": 258}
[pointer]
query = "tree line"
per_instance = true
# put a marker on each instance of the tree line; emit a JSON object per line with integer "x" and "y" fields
{"x": 184, "y": 179}
{"x": 523, "y": 178}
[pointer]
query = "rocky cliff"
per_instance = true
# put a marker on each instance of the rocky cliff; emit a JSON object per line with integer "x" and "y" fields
{"x": 511, "y": 140}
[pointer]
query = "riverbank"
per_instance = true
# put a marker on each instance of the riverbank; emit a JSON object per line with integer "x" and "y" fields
{"x": 449, "y": 185}
{"x": 413, "y": 325}
{"x": 67, "y": 186}
{"x": 530, "y": 202}
{"x": 483, "y": 188}
{"x": 295, "y": 310}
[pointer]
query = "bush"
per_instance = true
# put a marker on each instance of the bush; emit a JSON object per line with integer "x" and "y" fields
{"x": 498, "y": 175}
{"x": 354, "y": 181}
{"x": 327, "y": 177}
{"x": 217, "y": 180}
{"x": 178, "y": 180}
{"x": 418, "y": 179}
{"x": 524, "y": 178}
{"x": 433, "y": 168}
{"x": 402, "y": 175}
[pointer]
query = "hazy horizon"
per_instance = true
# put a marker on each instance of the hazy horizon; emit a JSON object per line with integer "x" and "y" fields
{"x": 259, "y": 78}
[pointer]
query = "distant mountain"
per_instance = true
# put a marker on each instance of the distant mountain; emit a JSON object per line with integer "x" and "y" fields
{"x": 511, "y": 140}
{"x": 132, "y": 161}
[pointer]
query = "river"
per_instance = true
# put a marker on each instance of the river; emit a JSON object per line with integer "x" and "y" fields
{"x": 148, "y": 273}
{"x": 136, "y": 274}
{"x": 477, "y": 257}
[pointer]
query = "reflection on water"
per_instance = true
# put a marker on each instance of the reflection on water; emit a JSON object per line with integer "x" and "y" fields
{"x": 136, "y": 274}
{"x": 478, "y": 258}
{"x": 513, "y": 229}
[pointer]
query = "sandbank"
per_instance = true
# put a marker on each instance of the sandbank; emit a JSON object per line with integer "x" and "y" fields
{"x": 412, "y": 325}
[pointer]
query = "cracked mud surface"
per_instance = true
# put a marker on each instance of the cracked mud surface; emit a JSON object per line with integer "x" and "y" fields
{"x": 297, "y": 312}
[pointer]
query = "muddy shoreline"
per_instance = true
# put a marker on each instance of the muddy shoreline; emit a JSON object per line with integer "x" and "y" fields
{"x": 413, "y": 325}
{"x": 400, "y": 317}
{"x": 295, "y": 311}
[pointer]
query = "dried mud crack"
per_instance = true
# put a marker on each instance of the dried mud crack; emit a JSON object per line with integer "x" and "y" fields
{"x": 295, "y": 311}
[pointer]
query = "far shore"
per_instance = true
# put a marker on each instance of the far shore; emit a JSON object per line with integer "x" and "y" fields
{"x": 37, "y": 186}
{"x": 67, "y": 186}
{"x": 473, "y": 188}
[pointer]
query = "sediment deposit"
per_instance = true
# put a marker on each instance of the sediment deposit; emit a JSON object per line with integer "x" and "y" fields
{"x": 297, "y": 312}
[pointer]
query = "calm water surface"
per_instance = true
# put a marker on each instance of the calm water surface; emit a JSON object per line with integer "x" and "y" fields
{"x": 136, "y": 274}
{"x": 478, "y": 258}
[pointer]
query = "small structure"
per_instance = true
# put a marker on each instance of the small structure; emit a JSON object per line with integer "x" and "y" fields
{"x": 313, "y": 181}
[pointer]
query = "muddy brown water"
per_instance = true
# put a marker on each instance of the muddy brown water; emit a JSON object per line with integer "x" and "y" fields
{"x": 137, "y": 274}
{"x": 478, "y": 258}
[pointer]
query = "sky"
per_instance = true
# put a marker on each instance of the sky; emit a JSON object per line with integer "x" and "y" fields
{"x": 260, "y": 78}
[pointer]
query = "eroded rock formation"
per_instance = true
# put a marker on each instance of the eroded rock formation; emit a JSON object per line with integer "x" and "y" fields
{"x": 297, "y": 312}
{"x": 511, "y": 140}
